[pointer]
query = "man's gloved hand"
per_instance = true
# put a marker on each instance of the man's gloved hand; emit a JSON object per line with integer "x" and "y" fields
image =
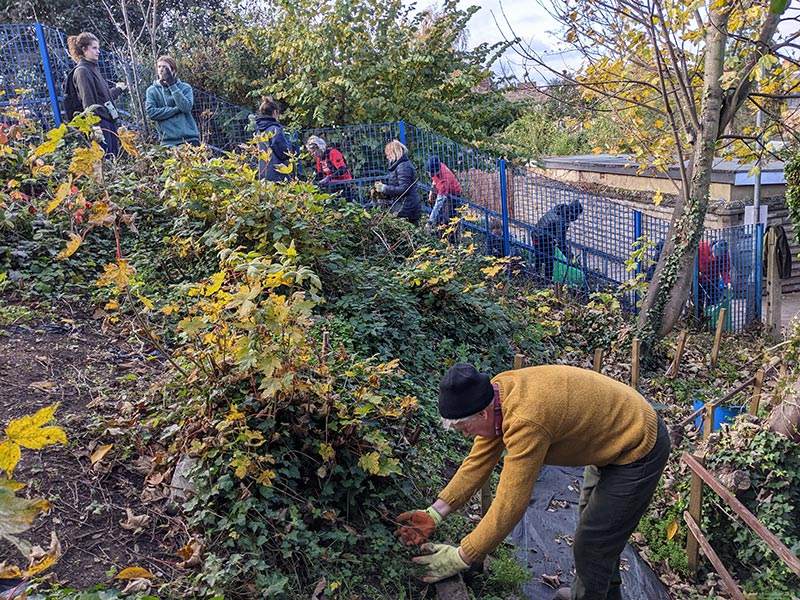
{"x": 443, "y": 562}
{"x": 420, "y": 527}
{"x": 380, "y": 186}
{"x": 122, "y": 85}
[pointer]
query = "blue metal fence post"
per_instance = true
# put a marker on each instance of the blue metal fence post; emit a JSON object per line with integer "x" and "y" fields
{"x": 696, "y": 288}
{"x": 637, "y": 233}
{"x": 504, "y": 207}
{"x": 401, "y": 132}
{"x": 759, "y": 271}
{"x": 48, "y": 74}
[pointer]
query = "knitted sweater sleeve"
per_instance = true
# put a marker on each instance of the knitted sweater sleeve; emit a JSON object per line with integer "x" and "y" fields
{"x": 526, "y": 444}
{"x": 474, "y": 470}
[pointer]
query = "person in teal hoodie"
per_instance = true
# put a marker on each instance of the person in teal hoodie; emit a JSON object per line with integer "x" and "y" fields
{"x": 169, "y": 104}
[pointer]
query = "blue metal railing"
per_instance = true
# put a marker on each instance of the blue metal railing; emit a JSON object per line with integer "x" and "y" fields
{"x": 505, "y": 207}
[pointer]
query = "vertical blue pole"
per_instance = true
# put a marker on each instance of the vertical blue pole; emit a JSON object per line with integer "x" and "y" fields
{"x": 401, "y": 127}
{"x": 504, "y": 207}
{"x": 759, "y": 271}
{"x": 696, "y": 289}
{"x": 48, "y": 74}
{"x": 637, "y": 233}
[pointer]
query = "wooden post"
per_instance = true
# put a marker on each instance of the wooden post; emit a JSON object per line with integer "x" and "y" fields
{"x": 597, "y": 365}
{"x": 695, "y": 508}
{"x": 708, "y": 419}
{"x": 635, "y": 363}
{"x": 324, "y": 347}
{"x": 756, "y": 398}
{"x": 559, "y": 290}
{"x": 783, "y": 369}
{"x": 519, "y": 361}
{"x": 773, "y": 321}
{"x": 676, "y": 362}
{"x": 718, "y": 336}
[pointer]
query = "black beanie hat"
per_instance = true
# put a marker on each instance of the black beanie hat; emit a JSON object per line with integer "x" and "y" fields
{"x": 464, "y": 392}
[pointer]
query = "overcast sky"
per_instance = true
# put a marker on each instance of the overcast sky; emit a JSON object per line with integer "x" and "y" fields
{"x": 529, "y": 21}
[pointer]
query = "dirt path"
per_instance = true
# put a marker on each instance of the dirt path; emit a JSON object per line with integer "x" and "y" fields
{"x": 95, "y": 378}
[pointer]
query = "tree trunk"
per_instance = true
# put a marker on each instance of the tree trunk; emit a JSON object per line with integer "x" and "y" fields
{"x": 664, "y": 302}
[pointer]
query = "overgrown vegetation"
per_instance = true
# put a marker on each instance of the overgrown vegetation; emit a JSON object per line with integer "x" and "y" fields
{"x": 303, "y": 341}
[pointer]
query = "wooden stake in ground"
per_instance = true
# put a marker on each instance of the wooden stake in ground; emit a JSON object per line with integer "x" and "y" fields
{"x": 635, "y": 363}
{"x": 718, "y": 336}
{"x": 672, "y": 372}
{"x": 597, "y": 365}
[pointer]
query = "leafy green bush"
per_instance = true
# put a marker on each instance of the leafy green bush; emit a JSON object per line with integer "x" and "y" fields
{"x": 772, "y": 464}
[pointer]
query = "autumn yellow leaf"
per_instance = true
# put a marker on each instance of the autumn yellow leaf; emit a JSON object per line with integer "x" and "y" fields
{"x": 102, "y": 213}
{"x": 134, "y": 573}
{"x": 190, "y": 553}
{"x": 10, "y": 571}
{"x": 672, "y": 529}
{"x": 29, "y": 433}
{"x": 127, "y": 139}
{"x": 111, "y": 305}
{"x": 53, "y": 137}
{"x": 88, "y": 162}
{"x": 265, "y": 477}
{"x": 370, "y": 463}
{"x": 215, "y": 283}
{"x": 146, "y": 301}
{"x": 118, "y": 274}
{"x": 10, "y": 454}
{"x": 62, "y": 192}
{"x": 99, "y": 453}
{"x": 658, "y": 198}
{"x": 72, "y": 246}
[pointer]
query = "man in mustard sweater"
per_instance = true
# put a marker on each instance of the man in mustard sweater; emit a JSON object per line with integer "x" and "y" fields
{"x": 555, "y": 415}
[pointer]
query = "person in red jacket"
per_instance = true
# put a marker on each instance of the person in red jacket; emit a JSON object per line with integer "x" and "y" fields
{"x": 445, "y": 194}
{"x": 714, "y": 273}
{"x": 333, "y": 176}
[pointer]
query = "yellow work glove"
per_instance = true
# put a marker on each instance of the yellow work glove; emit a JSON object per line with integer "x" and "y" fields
{"x": 443, "y": 562}
{"x": 420, "y": 526}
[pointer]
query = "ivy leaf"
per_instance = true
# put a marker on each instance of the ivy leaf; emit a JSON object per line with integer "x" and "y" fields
{"x": 29, "y": 433}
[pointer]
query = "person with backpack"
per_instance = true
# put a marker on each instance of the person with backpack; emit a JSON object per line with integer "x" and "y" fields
{"x": 279, "y": 166}
{"x": 86, "y": 88}
{"x": 169, "y": 103}
{"x": 333, "y": 176}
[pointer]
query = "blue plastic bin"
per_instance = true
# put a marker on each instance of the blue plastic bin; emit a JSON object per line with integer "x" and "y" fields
{"x": 723, "y": 414}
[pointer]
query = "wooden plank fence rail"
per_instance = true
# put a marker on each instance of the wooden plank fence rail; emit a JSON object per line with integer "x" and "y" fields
{"x": 778, "y": 547}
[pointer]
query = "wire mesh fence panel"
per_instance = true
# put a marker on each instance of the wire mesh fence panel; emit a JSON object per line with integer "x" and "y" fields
{"x": 23, "y": 85}
{"x": 726, "y": 276}
{"x": 362, "y": 148}
{"x": 222, "y": 125}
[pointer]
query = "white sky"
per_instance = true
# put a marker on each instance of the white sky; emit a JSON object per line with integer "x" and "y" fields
{"x": 530, "y": 22}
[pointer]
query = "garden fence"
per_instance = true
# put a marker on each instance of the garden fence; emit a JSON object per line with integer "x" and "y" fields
{"x": 503, "y": 203}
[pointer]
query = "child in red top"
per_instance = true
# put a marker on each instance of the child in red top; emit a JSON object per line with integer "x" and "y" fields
{"x": 714, "y": 273}
{"x": 446, "y": 191}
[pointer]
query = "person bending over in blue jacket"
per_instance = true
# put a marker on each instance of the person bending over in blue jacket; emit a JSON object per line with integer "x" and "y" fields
{"x": 169, "y": 104}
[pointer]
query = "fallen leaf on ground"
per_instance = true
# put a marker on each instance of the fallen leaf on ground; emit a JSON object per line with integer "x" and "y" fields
{"x": 190, "y": 554}
{"x": 134, "y": 522}
{"x": 99, "y": 453}
{"x": 552, "y": 581}
{"x": 323, "y": 583}
{"x": 44, "y": 559}
{"x": 137, "y": 585}
{"x": 134, "y": 573}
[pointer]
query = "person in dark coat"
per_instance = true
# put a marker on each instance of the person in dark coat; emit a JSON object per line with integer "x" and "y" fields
{"x": 279, "y": 166}
{"x": 401, "y": 185}
{"x": 550, "y": 232}
{"x": 93, "y": 90}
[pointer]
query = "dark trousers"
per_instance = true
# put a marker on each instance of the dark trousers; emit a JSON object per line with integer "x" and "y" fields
{"x": 613, "y": 499}
{"x": 110, "y": 141}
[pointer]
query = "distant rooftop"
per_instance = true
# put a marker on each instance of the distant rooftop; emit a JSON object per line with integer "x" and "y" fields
{"x": 730, "y": 172}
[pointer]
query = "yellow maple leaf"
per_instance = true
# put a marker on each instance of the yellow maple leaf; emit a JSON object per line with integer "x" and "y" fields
{"x": 118, "y": 274}
{"x": 102, "y": 213}
{"x": 127, "y": 139}
{"x": 72, "y": 246}
{"x": 215, "y": 283}
{"x": 29, "y": 433}
{"x": 53, "y": 137}
{"x": 370, "y": 463}
{"x": 10, "y": 453}
{"x": 134, "y": 573}
{"x": 61, "y": 192}
{"x": 88, "y": 162}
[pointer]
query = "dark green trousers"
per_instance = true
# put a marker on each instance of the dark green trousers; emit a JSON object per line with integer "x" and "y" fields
{"x": 613, "y": 499}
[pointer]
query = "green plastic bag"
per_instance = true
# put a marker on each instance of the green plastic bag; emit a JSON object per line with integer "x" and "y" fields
{"x": 564, "y": 272}
{"x": 712, "y": 312}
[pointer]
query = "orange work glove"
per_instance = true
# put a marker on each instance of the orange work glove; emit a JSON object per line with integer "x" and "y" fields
{"x": 420, "y": 527}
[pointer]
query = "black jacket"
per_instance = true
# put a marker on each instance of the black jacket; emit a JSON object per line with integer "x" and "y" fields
{"x": 556, "y": 221}
{"x": 402, "y": 184}
{"x": 93, "y": 89}
{"x": 280, "y": 149}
